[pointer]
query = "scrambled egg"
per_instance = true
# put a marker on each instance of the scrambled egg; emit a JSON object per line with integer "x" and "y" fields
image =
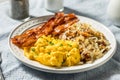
{"x": 54, "y": 52}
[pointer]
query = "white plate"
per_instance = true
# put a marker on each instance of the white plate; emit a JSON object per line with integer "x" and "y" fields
{"x": 18, "y": 53}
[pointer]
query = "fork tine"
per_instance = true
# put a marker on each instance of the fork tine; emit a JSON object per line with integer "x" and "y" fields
{"x": 1, "y": 74}
{"x": 0, "y": 58}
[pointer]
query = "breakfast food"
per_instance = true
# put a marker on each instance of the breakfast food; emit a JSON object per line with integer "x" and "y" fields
{"x": 61, "y": 35}
{"x": 92, "y": 43}
{"x": 54, "y": 26}
{"x": 54, "y": 52}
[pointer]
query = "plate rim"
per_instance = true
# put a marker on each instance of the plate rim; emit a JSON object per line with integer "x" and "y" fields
{"x": 61, "y": 71}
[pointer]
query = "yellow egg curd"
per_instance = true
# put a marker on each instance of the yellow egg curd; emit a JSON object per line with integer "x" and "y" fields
{"x": 54, "y": 52}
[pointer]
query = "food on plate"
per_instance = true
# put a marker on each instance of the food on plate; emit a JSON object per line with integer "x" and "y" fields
{"x": 54, "y": 26}
{"x": 54, "y": 52}
{"x": 92, "y": 43}
{"x": 63, "y": 41}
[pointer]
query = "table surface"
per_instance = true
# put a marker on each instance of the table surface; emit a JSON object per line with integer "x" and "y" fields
{"x": 95, "y": 9}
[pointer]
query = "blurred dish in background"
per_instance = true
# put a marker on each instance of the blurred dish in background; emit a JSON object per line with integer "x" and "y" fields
{"x": 54, "y": 5}
{"x": 114, "y": 11}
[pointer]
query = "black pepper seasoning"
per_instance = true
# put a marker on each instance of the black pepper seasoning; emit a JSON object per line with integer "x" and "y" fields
{"x": 19, "y": 9}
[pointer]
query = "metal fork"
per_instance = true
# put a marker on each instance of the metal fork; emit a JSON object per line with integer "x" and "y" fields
{"x": 1, "y": 74}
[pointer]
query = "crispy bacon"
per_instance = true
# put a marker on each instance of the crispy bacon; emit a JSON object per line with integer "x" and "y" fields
{"x": 61, "y": 28}
{"x": 54, "y": 26}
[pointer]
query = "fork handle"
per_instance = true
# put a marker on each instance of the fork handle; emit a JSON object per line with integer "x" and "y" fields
{"x": 1, "y": 75}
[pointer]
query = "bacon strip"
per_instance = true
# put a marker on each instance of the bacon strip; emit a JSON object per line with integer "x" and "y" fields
{"x": 54, "y": 26}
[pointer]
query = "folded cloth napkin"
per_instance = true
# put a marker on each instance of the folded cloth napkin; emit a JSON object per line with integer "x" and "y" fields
{"x": 95, "y": 9}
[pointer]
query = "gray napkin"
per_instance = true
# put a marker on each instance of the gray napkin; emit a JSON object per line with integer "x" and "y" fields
{"x": 95, "y": 9}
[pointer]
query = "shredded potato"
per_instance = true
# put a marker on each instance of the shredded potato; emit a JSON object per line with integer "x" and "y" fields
{"x": 54, "y": 52}
{"x": 92, "y": 43}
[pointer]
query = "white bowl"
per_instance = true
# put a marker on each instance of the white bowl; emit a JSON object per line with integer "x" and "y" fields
{"x": 18, "y": 53}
